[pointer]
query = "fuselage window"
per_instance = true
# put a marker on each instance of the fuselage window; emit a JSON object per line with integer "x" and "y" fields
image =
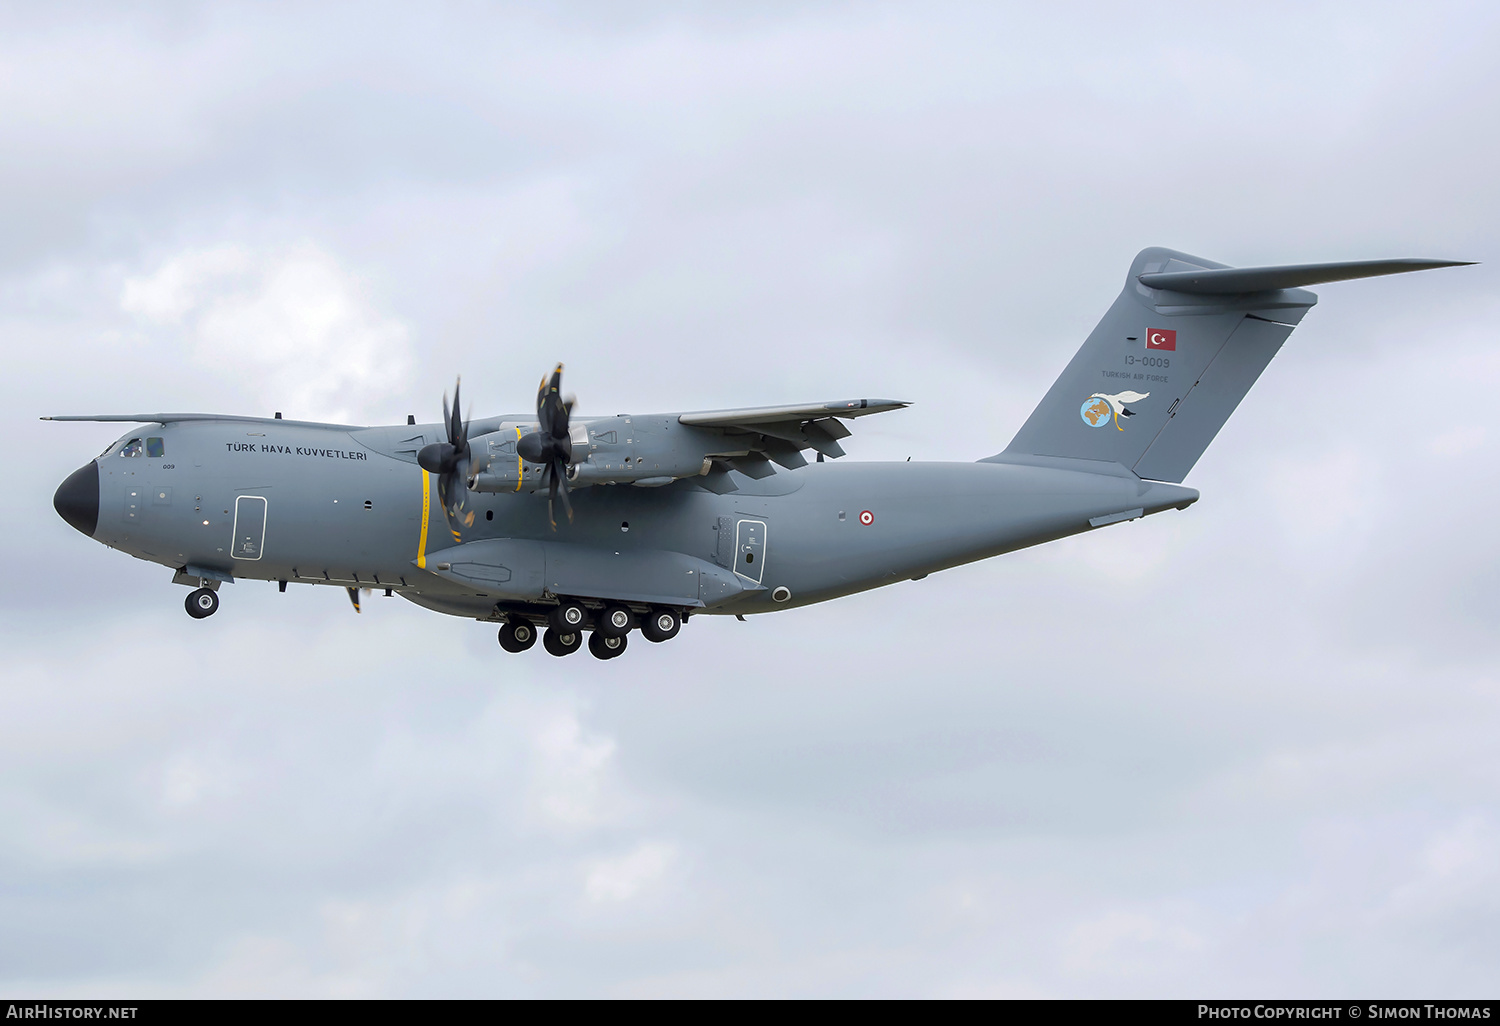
{"x": 132, "y": 448}
{"x": 154, "y": 449}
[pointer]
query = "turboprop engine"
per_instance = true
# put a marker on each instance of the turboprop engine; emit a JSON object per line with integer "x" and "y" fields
{"x": 643, "y": 451}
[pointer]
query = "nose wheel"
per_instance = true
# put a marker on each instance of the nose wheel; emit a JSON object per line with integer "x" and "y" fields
{"x": 201, "y": 603}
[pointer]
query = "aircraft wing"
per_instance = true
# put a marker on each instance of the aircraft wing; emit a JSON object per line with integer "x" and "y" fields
{"x": 178, "y": 418}
{"x": 780, "y": 433}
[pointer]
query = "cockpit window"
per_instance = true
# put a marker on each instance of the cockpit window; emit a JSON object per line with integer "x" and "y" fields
{"x": 132, "y": 448}
{"x": 154, "y": 449}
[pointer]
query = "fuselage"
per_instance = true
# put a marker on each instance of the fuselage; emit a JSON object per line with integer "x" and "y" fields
{"x": 333, "y": 505}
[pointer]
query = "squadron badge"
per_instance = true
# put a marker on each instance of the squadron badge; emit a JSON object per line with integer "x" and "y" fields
{"x": 1098, "y": 409}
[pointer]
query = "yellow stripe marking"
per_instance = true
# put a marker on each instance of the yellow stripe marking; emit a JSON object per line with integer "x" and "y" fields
{"x": 520, "y": 469}
{"x": 426, "y": 509}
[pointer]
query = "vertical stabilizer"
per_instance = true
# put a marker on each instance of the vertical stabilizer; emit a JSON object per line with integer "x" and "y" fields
{"x": 1173, "y": 357}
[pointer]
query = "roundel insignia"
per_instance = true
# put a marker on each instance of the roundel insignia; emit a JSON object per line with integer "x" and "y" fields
{"x": 867, "y": 518}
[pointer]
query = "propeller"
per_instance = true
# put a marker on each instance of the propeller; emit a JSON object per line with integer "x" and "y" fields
{"x": 551, "y": 445}
{"x": 450, "y": 462}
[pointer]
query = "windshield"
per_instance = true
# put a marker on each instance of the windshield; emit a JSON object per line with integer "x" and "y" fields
{"x": 151, "y": 447}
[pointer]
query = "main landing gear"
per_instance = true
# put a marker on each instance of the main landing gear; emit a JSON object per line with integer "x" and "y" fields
{"x": 201, "y": 603}
{"x": 607, "y": 629}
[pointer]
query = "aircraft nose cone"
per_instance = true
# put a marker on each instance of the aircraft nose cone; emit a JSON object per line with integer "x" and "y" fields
{"x": 77, "y": 499}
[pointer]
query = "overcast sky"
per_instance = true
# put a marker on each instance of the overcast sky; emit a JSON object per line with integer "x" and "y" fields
{"x": 1246, "y": 749}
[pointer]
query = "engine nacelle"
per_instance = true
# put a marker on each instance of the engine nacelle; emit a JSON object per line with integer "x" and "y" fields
{"x": 611, "y": 450}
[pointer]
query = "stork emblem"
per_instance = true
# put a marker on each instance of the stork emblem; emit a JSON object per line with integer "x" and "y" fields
{"x": 1099, "y": 408}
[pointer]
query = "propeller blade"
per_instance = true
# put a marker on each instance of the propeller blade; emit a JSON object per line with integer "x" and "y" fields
{"x": 561, "y": 477}
{"x": 543, "y": 411}
{"x": 551, "y": 444}
{"x": 457, "y": 435}
{"x": 562, "y": 442}
{"x": 557, "y": 487}
{"x": 449, "y": 461}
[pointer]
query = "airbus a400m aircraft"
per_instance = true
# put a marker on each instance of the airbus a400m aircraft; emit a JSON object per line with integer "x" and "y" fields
{"x": 597, "y": 526}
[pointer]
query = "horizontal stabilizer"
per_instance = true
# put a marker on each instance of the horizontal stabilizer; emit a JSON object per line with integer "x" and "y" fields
{"x": 1234, "y": 280}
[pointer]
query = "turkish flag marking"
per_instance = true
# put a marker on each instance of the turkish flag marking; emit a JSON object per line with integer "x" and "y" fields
{"x": 1162, "y": 338}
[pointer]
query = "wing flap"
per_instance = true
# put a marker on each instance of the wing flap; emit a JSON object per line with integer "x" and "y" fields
{"x": 774, "y": 414}
{"x": 782, "y": 432}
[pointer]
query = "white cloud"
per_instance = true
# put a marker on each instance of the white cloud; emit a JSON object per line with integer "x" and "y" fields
{"x": 567, "y": 785}
{"x": 625, "y": 877}
{"x": 293, "y": 327}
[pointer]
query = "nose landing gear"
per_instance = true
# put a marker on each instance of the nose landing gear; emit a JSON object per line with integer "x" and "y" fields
{"x": 201, "y": 603}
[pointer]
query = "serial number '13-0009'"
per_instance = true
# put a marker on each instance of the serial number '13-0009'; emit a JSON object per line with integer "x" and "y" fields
{"x": 1148, "y": 361}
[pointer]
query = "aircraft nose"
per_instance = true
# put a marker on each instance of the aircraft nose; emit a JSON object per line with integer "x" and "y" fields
{"x": 77, "y": 499}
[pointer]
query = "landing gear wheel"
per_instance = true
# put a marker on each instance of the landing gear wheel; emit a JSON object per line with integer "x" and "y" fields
{"x": 201, "y": 603}
{"x": 616, "y": 622}
{"x": 606, "y": 646}
{"x": 569, "y": 618}
{"x": 517, "y": 635}
{"x": 661, "y": 625}
{"x": 559, "y": 644}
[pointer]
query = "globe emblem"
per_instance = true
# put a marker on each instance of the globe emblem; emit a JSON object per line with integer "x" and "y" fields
{"x": 1095, "y": 412}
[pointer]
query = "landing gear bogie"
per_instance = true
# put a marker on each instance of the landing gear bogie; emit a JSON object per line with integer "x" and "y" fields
{"x": 202, "y": 602}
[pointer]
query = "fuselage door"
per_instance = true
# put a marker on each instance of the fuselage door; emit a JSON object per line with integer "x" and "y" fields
{"x": 750, "y": 549}
{"x": 249, "y": 526}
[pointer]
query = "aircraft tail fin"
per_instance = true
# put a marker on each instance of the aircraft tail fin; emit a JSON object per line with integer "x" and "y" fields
{"x": 1173, "y": 357}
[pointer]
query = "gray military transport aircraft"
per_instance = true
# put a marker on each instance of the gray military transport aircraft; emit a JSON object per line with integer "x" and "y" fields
{"x": 677, "y": 514}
